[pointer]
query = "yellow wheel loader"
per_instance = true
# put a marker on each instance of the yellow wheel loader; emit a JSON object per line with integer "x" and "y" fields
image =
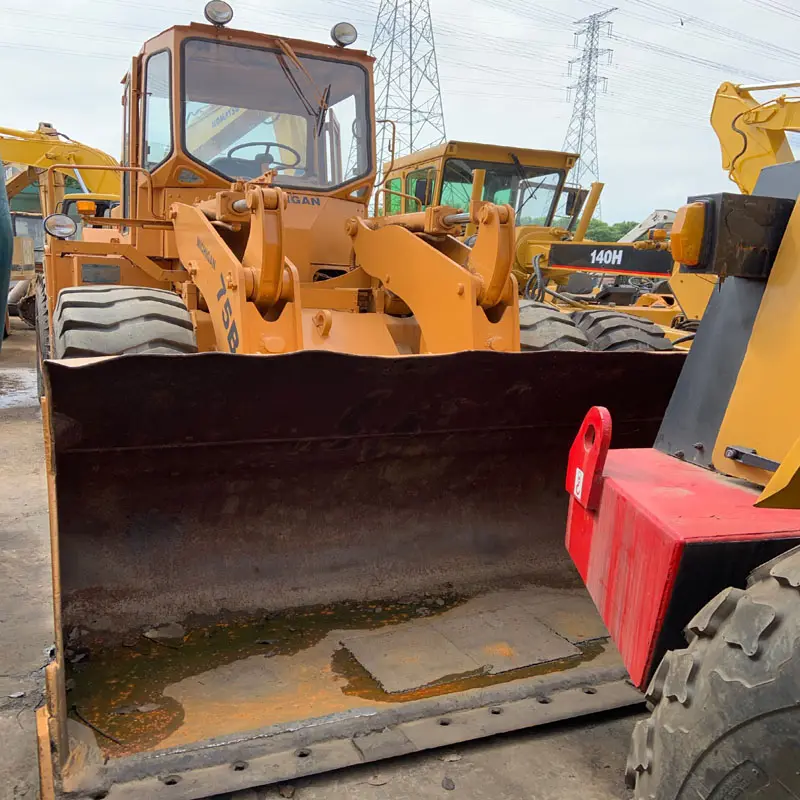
{"x": 304, "y": 495}
{"x": 555, "y": 266}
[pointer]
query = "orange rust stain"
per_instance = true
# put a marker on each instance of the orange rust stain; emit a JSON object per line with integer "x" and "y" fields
{"x": 501, "y": 649}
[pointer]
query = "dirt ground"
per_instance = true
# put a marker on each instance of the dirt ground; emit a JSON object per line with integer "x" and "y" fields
{"x": 582, "y": 759}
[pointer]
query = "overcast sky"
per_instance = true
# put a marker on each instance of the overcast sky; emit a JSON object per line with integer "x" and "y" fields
{"x": 502, "y": 63}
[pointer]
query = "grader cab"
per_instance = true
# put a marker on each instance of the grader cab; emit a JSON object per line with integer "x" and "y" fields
{"x": 305, "y": 497}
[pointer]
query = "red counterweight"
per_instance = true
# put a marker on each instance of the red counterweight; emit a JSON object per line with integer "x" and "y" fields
{"x": 654, "y": 538}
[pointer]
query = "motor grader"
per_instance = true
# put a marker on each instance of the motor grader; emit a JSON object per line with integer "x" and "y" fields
{"x": 555, "y": 266}
{"x": 699, "y": 536}
{"x": 304, "y": 499}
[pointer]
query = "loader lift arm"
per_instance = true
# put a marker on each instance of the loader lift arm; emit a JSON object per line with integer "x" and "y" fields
{"x": 458, "y": 295}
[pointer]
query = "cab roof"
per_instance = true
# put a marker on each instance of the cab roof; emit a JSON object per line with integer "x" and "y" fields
{"x": 487, "y": 152}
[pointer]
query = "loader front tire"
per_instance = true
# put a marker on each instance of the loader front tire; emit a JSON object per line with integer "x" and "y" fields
{"x": 42, "y": 326}
{"x": 118, "y": 320}
{"x": 542, "y": 327}
{"x": 612, "y": 330}
{"x": 726, "y": 710}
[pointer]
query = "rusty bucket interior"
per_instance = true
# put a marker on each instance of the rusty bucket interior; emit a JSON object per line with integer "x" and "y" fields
{"x": 299, "y": 562}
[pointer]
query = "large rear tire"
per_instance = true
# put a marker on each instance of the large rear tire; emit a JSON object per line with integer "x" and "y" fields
{"x": 726, "y": 710}
{"x": 542, "y": 327}
{"x": 111, "y": 320}
{"x": 612, "y": 330}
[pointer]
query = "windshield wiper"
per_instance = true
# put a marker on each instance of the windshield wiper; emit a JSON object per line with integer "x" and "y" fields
{"x": 320, "y": 112}
{"x": 296, "y": 86}
{"x": 323, "y": 109}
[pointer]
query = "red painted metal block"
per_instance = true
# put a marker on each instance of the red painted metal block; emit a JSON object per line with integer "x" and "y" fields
{"x": 630, "y": 542}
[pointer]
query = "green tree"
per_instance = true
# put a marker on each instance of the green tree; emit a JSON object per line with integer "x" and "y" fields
{"x": 600, "y": 231}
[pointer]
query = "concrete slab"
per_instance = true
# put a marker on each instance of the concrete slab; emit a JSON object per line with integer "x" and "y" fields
{"x": 508, "y": 638}
{"x": 410, "y": 656}
{"x": 572, "y": 616}
{"x": 486, "y": 634}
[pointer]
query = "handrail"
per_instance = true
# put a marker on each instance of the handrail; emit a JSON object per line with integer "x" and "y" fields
{"x": 51, "y": 185}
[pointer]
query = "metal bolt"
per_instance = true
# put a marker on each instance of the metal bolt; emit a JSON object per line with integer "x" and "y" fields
{"x": 679, "y": 454}
{"x": 323, "y": 320}
{"x": 460, "y": 289}
{"x": 699, "y": 446}
{"x": 229, "y": 281}
{"x": 730, "y": 452}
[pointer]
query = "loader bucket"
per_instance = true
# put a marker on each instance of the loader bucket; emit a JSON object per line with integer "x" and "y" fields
{"x": 272, "y": 566}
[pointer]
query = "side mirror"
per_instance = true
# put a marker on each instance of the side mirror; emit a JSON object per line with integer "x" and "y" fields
{"x": 575, "y": 200}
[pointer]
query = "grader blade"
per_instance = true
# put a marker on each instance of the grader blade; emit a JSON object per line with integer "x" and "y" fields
{"x": 273, "y": 566}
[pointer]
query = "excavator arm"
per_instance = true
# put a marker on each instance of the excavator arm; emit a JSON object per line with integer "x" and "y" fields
{"x": 37, "y": 150}
{"x": 752, "y": 135}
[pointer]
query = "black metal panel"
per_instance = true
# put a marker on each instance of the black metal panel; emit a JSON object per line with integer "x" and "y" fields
{"x": 743, "y": 234}
{"x": 701, "y": 397}
{"x": 706, "y": 568}
{"x": 613, "y": 258}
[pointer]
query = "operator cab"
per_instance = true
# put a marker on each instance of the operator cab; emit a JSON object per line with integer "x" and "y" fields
{"x": 219, "y": 105}
{"x": 530, "y": 181}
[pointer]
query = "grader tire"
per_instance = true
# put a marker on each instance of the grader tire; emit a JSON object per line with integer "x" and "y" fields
{"x": 726, "y": 710}
{"x": 611, "y": 330}
{"x": 110, "y": 320}
{"x": 543, "y": 327}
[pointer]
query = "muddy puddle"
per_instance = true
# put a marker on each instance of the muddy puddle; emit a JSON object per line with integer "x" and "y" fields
{"x": 174, "y": 685}
{"x": 119, "y": 691}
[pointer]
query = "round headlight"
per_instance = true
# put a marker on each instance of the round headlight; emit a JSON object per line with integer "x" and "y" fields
{"x": 60, "y": 225}
{"x": 218, "y": 12}
{"x": 344, "y": 34}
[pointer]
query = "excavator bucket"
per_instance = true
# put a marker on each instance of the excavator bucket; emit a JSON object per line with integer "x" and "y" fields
{"x": 267, "y": 567}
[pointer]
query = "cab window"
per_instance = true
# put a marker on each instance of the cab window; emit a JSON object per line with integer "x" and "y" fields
{"x": 532, "y": 191}
{"x": 420, "y": 184}
{"x": 157, "y": 111}
{"x": 393, "y": 203}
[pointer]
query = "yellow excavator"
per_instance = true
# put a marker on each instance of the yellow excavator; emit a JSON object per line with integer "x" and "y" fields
{"x": 290, "y": 445}
{"x": 27, "y": 155}
{"x": 33, "y": 152}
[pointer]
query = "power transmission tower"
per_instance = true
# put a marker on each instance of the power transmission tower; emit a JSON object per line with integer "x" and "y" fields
{"x": 582, "y": 131}
{"x": 407, "y": 87}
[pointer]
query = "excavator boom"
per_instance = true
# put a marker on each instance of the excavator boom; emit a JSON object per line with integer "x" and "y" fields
{"x": 42, "y": 148}
{"x": 752, "y": 134}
